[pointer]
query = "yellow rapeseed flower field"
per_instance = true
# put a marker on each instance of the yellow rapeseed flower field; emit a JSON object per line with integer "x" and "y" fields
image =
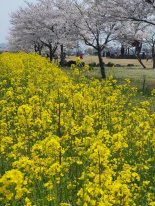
{"x": 68, "y": 140}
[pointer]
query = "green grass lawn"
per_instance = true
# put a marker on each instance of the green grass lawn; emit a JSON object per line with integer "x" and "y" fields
{"x": 123, "y": 62}
{"x": 137, "y": 76}
{"x": 136, "y": 73}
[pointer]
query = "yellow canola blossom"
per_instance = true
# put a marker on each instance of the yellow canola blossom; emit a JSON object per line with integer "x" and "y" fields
{"x": 12, "y": 185}
{"x": 66, "y": 139}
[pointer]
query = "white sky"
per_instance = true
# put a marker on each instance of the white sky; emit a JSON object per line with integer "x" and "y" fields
{"x": 6, "y": 7}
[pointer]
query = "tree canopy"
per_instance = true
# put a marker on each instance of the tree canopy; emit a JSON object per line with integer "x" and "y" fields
{"x": 49, "y": 23}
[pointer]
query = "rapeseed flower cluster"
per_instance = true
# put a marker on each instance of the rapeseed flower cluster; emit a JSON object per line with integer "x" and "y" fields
{"x": 70, "y": 140}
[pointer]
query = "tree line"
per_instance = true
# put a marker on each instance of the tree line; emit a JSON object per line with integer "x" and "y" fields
{"x": 52, "y": 24}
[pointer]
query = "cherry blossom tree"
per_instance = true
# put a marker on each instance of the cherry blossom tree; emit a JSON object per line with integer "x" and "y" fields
{"x": 23, "y": 33}
{"x": 51, "y": 24}
{"x": 37, "y": 26}
{"x": 132, "y": 36}
{"x": 149, "y": 39}
{"x": 133, "y": 10}
{"x": 91, "y": 22}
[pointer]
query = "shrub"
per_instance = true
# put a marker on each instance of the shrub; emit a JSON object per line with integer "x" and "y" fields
{"x": 110, "y": 64}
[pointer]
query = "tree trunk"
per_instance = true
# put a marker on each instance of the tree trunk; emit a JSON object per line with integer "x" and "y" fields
{"x": 153, "y": 55}
{"x": 52, "y": 50}
{"x": 128, "y": 51}
{"x": 62, "y": 57}
{"x": 140, "y": 61}
{"x": 39, "y": 49}
{"x": 35, "y": 48}
{"x": 50, "y": 54}
{"x": 101, "y": 64}
{"x": 154, "y": 62}
{"x": 138, "y": 48}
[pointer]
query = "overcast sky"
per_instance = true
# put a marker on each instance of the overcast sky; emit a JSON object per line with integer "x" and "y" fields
{"x": 6, "y": 7}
